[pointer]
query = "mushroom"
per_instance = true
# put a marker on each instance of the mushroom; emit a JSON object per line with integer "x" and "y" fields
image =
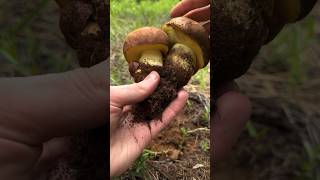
{"x": 187, "y": 32}
{"x": 147, "y": 46}
{"x": 146, "y": 49}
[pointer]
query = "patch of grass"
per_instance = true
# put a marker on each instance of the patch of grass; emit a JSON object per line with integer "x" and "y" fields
{"x": 288, "y": 48}
{"x": 206, "y": 115}
{"x": 255, "y": 132}
{"x": 201, "y": 78}
{"x": 205, "y": 145}
{"x": 184, "y": 132}
{"x": 251, "y": 129}
{"x": 22, "y": 50}
{"x": 310, "y": 165}
{"x": 140, "y": 167}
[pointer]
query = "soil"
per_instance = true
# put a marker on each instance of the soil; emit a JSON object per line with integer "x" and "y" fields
{"x": 153, "y": 107}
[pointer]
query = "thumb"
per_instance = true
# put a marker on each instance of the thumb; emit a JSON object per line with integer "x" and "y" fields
{"x": 134, "y": 93}
{"x": 53, "y": 105}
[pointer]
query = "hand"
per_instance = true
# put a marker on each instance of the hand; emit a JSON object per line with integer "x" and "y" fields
{"x": 127, "y": 143}
{"x": 34, "y": 111}
{"x": 198, "y": 10}
{"x": 230, "y": 116}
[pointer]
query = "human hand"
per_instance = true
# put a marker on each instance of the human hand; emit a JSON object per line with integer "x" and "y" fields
{"x": 127, "y": 143}
{"x": 198, "y": 10}
{"x": 36, "y": 111}
{"x": 232, "y": 111}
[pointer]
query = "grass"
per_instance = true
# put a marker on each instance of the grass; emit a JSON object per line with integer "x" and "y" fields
{"x": 184, "y": 132}
{"x": 140, "y": 167}
{"x": 310, "y": 164}
{"x": 288, "y": 50}
{"x": 205, "y": 145}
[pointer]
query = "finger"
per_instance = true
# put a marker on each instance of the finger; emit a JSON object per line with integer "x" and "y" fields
{"x": 126, "y": 109}
{"x": 52, "y": 150}
{"x": 142, "y": 132}
{"x": 199, "y": 14}
{"x": 46, "y": 106}
{"x": 187, "y": 5}
{"x": 233, "y": 110}
{"x": 134, "y": 93}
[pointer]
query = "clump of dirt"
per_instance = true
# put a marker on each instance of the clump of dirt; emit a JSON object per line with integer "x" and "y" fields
{"x": 166, "y": 92}
{"x": 153, "y": 106}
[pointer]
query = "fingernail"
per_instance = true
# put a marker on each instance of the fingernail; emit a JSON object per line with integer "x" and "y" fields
{"x": 152, "y": 76}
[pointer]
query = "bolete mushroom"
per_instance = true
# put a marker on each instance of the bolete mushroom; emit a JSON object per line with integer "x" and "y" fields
{"x": 146, "y": 46}
{"x": 146, "y": 49}
{"x": 190, "y": 33}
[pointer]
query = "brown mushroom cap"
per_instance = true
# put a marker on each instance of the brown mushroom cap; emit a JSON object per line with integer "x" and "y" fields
{"x": 143, "y": 39}
{"x": 192, "y": 34}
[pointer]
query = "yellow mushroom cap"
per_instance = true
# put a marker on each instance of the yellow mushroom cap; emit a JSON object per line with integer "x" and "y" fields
{"x": 144, "y": 39}
{"x": 192, "y": 34}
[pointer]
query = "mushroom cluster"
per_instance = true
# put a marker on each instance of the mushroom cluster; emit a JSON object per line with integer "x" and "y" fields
{"x": 176, "y": 51}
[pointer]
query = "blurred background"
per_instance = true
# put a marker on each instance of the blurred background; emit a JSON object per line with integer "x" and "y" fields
{"x": 30, "y": 39}
{"x": 282, "y": 139}
{"x": 182, "y": 150}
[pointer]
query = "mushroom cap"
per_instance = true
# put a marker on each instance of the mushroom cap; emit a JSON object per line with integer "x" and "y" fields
{"x": 143, "y": 39}
{"x": 192, "y": 34}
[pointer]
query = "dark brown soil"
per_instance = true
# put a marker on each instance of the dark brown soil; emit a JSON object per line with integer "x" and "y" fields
{"x": 153, "y": 107}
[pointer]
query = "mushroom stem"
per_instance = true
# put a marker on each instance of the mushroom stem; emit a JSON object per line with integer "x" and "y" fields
{"x": 182, "y": 61}
{"x": 184, "y": 55}
{"x": 152, "y": 57}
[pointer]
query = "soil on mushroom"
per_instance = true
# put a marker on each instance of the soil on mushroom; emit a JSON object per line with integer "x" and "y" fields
{"x": 153, "y": 107}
